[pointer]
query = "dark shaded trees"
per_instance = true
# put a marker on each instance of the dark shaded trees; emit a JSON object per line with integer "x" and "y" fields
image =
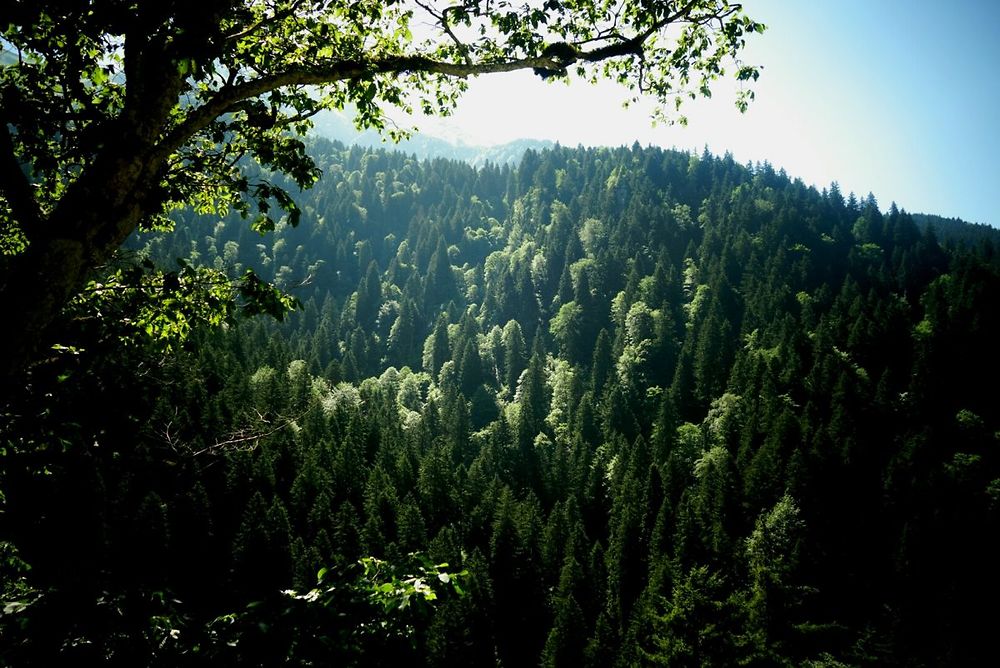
{"x": 773, "y": 450}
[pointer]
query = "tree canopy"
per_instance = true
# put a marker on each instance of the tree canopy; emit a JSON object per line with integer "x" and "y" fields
{"x": 115, "y": 112}
{"x": 773, "y": 441}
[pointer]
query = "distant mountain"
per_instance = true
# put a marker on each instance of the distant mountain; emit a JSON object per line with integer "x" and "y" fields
{"x": 957, "y": 230}
{"x": 336, "y": 127}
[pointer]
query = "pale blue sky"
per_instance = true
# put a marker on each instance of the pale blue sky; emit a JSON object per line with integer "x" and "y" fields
{"x": 897, "y": 97}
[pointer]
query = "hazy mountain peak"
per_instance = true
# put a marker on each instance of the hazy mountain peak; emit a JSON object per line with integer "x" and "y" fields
{"x": 338, "y": 127}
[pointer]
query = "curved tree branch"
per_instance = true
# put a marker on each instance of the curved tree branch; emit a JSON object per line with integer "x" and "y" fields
{"x": 228, "y": 97}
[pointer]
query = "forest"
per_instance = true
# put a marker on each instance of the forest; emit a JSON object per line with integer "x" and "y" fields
{"x": 602, "y": 407}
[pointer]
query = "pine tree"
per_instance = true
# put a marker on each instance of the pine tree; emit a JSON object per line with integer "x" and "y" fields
{"x": 515, "y": 358}
{"x": 403, "y": 347}
{"x": 439, "y": 284}
{"x": 601, "y": 364}
{"x": 437, "y": 349}
{"x": 369, "y": 297}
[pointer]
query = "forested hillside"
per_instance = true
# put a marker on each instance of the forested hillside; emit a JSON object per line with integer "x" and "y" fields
{"x": 650, "y": 408}
{"x": 958, "y": 230}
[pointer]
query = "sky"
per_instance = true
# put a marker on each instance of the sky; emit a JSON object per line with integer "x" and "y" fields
{"x": 900, "y": 98}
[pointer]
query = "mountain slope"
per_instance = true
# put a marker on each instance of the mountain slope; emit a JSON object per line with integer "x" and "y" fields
{"x": 663, "y": 408}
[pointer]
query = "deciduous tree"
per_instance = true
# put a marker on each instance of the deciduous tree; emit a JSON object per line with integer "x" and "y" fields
{"x": 114, "y": 112}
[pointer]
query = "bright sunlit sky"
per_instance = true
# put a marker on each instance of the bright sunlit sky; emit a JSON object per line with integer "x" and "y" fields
{"x": 897, "y": 97}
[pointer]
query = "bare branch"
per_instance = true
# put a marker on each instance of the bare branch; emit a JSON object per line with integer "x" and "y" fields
{"x": 442, "y": 19}
{"x": 247, "y": 438}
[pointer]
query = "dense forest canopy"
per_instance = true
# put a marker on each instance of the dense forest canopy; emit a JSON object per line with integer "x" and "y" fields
{"x": 595, "y": 407}
{"x": 649, "y": 407}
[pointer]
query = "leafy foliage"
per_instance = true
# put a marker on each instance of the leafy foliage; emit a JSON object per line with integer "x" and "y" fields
{"x": 114, "y": 113}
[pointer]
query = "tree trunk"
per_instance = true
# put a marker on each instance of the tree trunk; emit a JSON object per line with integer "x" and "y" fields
{"x": 95, "y": 216}
{"x": 90, "y": 223}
